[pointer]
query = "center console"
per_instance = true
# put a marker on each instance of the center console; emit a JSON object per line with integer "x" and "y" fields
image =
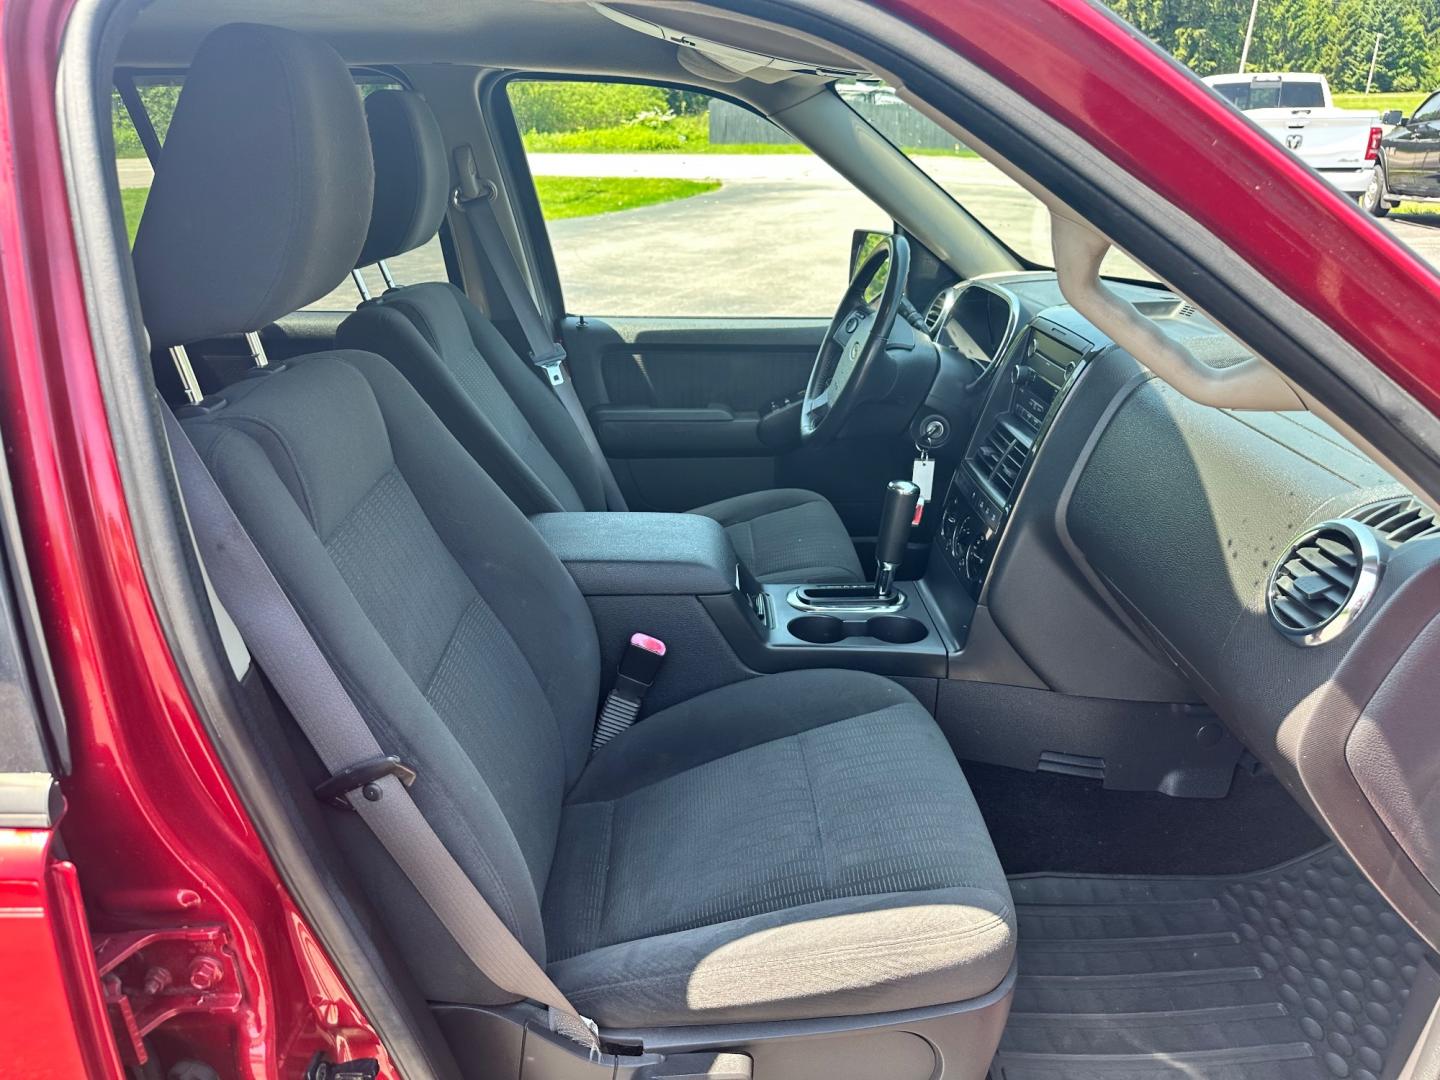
{"x": 656, "y": 573}
{"x": 949, "y": 636}
{"x": 1032, "y": 384}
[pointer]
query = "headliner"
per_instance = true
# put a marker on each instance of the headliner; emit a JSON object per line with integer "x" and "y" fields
{"x": 546, "y": 35}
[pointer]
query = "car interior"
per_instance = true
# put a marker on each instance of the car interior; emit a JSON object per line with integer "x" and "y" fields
{"x": 1010, "y": 674}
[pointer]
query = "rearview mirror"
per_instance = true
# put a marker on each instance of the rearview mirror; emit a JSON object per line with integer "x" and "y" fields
{"x": 1391, "y": 117}
{"x": 862, "y": 243}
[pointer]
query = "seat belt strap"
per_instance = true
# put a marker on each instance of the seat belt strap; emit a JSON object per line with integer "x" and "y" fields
{"x": 476, "y": 198}
{"x": 369, "y": 782}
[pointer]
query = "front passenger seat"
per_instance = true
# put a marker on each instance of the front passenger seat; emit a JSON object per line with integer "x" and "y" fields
{"x": 799, "y": 851}
{"x": 504, "y": 415}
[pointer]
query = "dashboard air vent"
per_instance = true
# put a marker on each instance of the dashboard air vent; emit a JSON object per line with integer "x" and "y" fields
{"x": 1000, "y": 459}
{"x": 1325, "y": 578}
{"x": 936, "y": 312}
{"x": 1400, "y": 520}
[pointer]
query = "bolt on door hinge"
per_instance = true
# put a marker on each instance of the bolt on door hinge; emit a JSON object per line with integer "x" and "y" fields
{"x": 151, "y": 976}
{"x": 322, "y": 1068}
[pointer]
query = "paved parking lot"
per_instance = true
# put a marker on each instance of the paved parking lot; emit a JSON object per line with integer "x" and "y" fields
{"x": 773, "y": 240}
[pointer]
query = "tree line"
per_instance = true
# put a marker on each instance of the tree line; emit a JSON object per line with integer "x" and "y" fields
{"x": 1335, "y": 37}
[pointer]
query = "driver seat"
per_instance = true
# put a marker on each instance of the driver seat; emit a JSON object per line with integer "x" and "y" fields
{"x": 495, "y": 403}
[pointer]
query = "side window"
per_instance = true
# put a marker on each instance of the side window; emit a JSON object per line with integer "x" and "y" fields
{"x": 132, "y": 166}
{"x": 666, "y": 202}
{"x": 157, "y": 97}
{"x": 1430, "y": 110}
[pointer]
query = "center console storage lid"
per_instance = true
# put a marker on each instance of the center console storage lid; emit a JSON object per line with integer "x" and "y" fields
{"x": 631, "y": 554}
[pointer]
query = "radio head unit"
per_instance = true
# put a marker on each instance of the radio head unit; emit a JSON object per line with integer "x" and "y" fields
{"x": 1031, "y": 384}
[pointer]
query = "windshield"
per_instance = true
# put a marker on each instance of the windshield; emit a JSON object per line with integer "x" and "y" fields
{"x": 1018, "y": 219}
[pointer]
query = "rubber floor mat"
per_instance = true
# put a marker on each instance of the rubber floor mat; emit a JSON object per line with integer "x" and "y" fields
{"x": 1299, "y": 972}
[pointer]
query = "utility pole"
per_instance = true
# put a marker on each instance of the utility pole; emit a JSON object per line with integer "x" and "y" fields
{"x": 1374, "y": 56}
{"x": 1249, "y": 33}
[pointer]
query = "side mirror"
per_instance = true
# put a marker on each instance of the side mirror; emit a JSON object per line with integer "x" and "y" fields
{"x": 862, "y": 243}
{"x": 1391, "y": 117}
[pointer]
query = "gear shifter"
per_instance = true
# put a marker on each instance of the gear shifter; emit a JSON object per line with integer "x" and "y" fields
{"x": 881, "y": 595}
{"x": 895, "y": 521}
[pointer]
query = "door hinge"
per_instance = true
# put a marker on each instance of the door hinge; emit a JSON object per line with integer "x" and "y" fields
{"x": 151, "y": 976}
{"x": 322, "y": 1068}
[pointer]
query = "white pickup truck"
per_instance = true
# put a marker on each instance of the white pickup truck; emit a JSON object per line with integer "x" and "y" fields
{"x": 1296, "y": 108}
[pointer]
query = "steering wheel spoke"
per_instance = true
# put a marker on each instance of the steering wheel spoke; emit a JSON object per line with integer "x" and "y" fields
{"x": 858, "y": 332}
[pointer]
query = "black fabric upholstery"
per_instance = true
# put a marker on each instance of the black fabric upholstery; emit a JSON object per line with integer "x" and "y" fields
{"x": 412, "y": 176}
{"x": 795, "y": 845}
{"x": 817, "y": 853}
{"x": 787, "y": 535}
{"x": 249, "y": 218}
{"x": 494, "y": 403}
{"x": 500, "y": 411}
{"x": 695, "y": 862}
{"x": 441, "y": 613}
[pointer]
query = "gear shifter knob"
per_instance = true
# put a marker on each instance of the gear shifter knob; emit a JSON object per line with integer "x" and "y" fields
{"x": 895, "y": 520}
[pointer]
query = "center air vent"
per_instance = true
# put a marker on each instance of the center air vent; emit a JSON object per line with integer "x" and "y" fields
{"x": 1325, "y": 578}
{"x": 1000, "y": 459}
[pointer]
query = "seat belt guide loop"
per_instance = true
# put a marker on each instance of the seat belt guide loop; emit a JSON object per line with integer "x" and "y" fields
{"x": 468, "y": 185}
{"x": 361, "y": 777}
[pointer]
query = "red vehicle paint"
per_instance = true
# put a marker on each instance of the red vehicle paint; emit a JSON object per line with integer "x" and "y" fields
{"x": 161, "y": 839}
{"x": 160, "y": 836}
{"x": 43, "y": 936}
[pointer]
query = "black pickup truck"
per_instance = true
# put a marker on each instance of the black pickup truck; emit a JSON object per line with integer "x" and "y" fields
{"x": 1409, "y": 163}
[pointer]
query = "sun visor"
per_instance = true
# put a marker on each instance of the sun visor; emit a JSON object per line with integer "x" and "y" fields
{"x": 726, "y": 43}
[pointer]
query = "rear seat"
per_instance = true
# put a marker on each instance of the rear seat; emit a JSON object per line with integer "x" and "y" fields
{"x": 793, "y": 846}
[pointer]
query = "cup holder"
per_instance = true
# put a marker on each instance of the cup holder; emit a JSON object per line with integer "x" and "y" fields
{"x": 896, "y": 629}
{"x": 818, "y": 629}
{"x": 831, "y": 630}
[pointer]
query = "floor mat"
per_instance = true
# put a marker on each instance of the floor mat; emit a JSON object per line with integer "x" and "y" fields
{"x": 1295, "y": 973}
{"x": 1068, "y": 825}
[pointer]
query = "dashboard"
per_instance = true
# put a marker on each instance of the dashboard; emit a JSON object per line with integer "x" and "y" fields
{"x": 1116, "y": 541}
{"x": 976, "y": 318}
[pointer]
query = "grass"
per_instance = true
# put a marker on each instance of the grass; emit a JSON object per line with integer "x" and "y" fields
{"x": 133, "y": 200}
{"x": 635, "y": 139}
{"x": 682, "y": 135}
{"x": 1406, "y": 101}
{"x": 583, "y": 196}
{"x": 560, "y": 196}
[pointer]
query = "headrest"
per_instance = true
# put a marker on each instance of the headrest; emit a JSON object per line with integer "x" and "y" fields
{"x": 262, "y": 193}
{"x": 412, "y": 174}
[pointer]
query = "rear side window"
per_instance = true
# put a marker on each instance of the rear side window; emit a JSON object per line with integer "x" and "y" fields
{"x": 157, "y": 97}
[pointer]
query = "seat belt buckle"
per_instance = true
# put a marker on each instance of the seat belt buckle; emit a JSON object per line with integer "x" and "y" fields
{"x": 638, "y": 667}
{"x": 363, "y": 777}
{"x": 552, "y": 362}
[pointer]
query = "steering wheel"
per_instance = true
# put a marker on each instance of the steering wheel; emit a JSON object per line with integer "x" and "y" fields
{"x": 856, "y": 337}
